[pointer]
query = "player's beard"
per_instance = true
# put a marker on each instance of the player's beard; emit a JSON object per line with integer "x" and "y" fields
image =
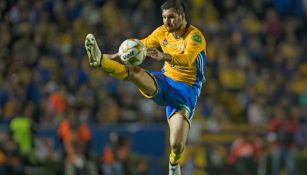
{"x": 172, "y": 28}
{"x": 175, "y": 27}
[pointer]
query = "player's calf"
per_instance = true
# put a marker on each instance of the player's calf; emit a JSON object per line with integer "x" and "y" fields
{"x": 143, "y": 80}
{"x": 114, "y": 68}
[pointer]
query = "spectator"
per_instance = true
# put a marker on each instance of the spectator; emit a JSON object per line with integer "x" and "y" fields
{"x": 118, "y": 160}
{"x": 22, "y": 130}
{"x": 12, "y": 160}
{"x": 244, "y": 155}
{"x": 283, "y": 128}
{"x": 75, "y": 138}
{"x": 115, "y": 156}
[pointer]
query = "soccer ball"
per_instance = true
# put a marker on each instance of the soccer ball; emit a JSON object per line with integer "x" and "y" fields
{"x": 132, "y": 52}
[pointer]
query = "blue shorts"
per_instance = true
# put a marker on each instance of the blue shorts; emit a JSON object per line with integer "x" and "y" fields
{"x": 174, "y": 95}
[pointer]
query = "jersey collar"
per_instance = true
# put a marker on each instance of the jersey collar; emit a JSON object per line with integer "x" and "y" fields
{"x": 185, "y": 31}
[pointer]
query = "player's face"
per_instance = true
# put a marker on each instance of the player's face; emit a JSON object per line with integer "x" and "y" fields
{"x": 172, "y": 20}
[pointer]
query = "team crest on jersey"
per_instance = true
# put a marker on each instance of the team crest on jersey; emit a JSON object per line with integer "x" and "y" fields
{"x": 196, "y": 38}
{"x": 165, "y": 42}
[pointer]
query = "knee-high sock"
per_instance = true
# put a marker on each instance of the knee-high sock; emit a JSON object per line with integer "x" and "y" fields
{"x": 114, "y": 68}
{"x": 174, "y": 158}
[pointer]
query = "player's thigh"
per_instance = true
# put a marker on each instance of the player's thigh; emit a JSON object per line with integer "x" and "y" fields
{"x": 179, "y": 128}
{"x": 143, "y": 80}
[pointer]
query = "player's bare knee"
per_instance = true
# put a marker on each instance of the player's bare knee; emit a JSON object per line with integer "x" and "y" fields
{"x": 178, "y": 147}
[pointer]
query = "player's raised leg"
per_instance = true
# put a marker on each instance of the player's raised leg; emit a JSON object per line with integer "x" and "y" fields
{"x": 179, "y": 129}
{"x": 97, "y": 59}
{"x": 138, "y": 76}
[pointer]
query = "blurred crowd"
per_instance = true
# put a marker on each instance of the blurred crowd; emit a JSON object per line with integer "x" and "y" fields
{"x": 256, "y": 67}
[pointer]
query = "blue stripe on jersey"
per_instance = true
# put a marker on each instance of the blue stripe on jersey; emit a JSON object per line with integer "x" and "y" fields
{"x": 200, "y": 69}
{"x": 200, "y": 74}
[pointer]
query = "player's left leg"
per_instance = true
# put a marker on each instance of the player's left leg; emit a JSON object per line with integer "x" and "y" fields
{"x": 179, "y": 129}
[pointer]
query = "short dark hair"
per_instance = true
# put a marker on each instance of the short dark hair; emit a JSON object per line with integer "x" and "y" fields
{"x": 178, "y": 5}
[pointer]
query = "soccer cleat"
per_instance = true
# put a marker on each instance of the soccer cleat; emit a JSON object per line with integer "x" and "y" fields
{"x": 174, "y": 169}
{"x": 93, "y": 51}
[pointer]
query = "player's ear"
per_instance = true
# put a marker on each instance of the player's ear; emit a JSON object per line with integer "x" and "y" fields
{"x": 182, "y": 16}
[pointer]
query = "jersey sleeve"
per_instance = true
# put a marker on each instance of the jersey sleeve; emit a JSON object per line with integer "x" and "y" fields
{"x": 152, "y": 41}
{"x": 195, "y": 43}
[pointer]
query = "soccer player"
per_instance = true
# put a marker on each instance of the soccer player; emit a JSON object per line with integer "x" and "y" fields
{"x": 178, "y": 85}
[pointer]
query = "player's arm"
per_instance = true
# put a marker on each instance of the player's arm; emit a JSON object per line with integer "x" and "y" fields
{"x": 195, "y": 44}
{"x": 152, "y": 40}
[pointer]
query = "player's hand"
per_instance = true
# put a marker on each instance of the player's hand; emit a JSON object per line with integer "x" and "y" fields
{"x": 158, "y": 55}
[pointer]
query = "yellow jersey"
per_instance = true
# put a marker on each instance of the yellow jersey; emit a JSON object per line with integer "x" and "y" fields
{"x": 188, "y": 54}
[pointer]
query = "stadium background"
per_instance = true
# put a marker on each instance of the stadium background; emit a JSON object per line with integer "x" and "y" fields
{"x": 256, "y": 72}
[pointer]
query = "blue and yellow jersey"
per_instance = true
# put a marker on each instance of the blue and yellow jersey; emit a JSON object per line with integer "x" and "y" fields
{"x": 188, "y": 54}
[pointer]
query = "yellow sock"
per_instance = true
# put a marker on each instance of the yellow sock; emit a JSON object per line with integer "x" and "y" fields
{"x": 114, "y": 68}
{"x": 174, "y": 158}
